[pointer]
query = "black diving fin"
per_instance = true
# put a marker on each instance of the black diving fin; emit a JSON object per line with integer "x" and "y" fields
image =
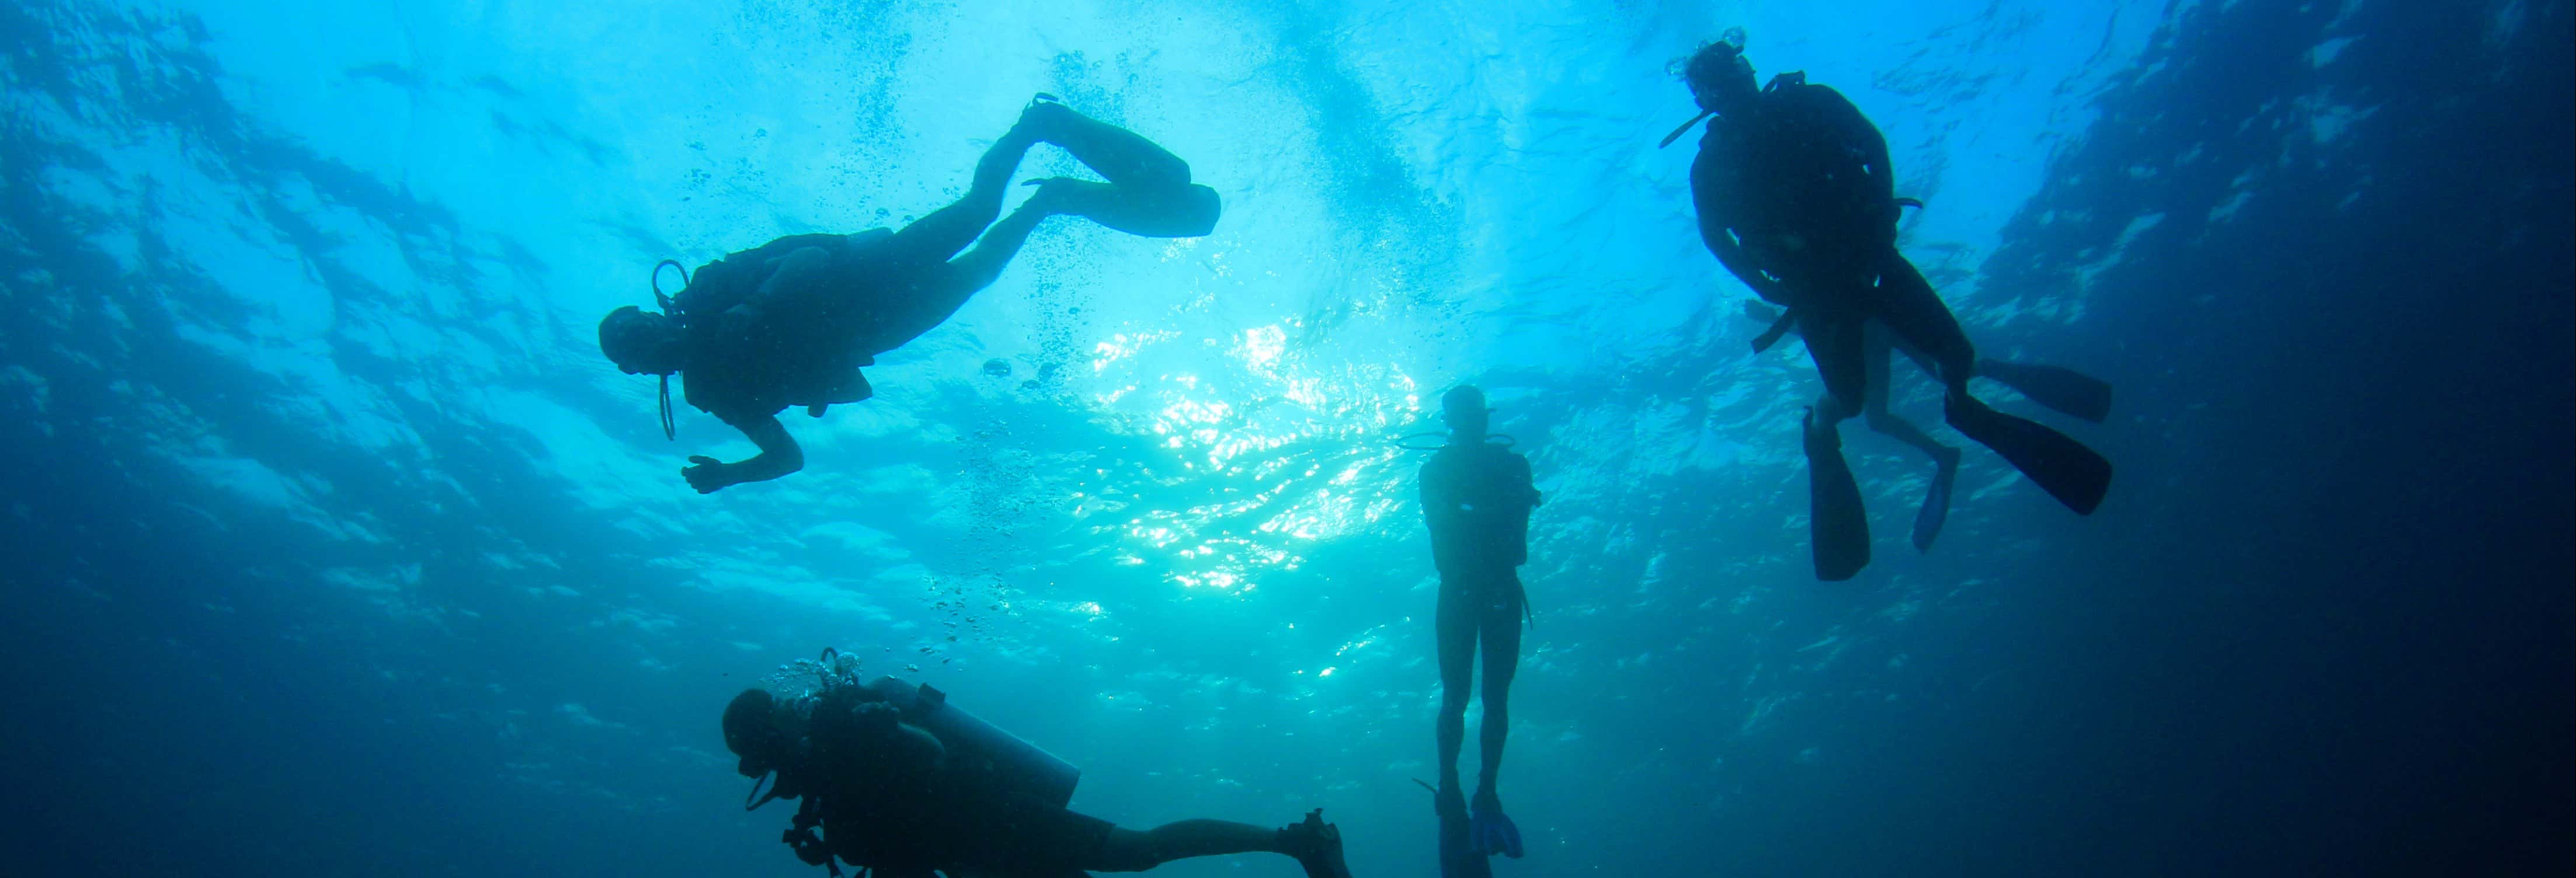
{"x": 1838, "y": 525}
{"x": 2065, "y": 390}
{"x": 2077, "y": 476}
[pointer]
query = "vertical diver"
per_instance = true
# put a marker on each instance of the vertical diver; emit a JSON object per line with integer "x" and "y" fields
{"x": 791, "y": 322}
{"x": 1476, "y": 498}
{"x": 1796, "y": 198}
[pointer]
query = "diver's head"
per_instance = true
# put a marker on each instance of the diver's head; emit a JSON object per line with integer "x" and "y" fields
{"x": 752, "y": 731}
{"x": 1720, "y": 78}
{"x": 641, "y": 342}
{"x": 1464, "y": 408}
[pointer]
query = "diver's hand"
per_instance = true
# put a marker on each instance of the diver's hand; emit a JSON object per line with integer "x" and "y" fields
{"x": 708, "y": 474}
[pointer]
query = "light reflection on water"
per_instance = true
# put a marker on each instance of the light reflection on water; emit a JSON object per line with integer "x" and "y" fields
{"x": 1260, "y": 454}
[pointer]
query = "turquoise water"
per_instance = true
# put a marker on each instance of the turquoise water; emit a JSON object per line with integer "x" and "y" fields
{"x": 339, "y": 548}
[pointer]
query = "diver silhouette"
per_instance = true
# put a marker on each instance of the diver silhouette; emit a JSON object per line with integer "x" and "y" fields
{"x": 2056, "y": 387}
{"x": 792, "y": 322}
{"x": 1796, "y": 198}
{"x": 1476, "y": 499}
{"x": 900, "y": 784}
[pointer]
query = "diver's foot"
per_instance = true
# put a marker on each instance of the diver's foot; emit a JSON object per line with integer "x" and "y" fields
{"x": 1317, "y": 845}
{"x": 1936, "y": 499}
{"x": 1491, "y": 832}
{"x": 1043, "y": 116}
{"x": 1448, "y": 802}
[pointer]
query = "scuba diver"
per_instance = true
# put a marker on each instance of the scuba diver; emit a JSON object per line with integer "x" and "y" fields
{"x": 791, "y": 322}
{"x": 1796, "y": 198}
{"x": 1476, "y": 498}
{"x": 901, "y": 785}
{"x": 2059, "y": 388}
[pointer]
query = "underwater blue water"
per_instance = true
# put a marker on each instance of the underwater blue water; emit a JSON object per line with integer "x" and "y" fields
{"x": 333, "y": 547}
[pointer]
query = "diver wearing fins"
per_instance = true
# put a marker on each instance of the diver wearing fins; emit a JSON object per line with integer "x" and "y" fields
{"x": 902, "y": 784}
{"x": 2065, "y": 390}
{"x": 791, "y": 322}
{"x": 1796, "y": 198}
{"x": 1476, "y": 499}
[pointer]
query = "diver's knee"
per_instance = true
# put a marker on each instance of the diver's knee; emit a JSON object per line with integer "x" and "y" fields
{"x": 1834, "y": 409}
{"x": 1127, "y": 850}
{"x": 1453, "y": 703}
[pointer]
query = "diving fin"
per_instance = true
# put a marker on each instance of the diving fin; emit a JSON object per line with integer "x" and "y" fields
{"x": 1936, "y": 500}
{"x": 2065, "y": 390}
{"x": 1458, "y": 857}
{"x": 1490, "y": 830}
{"x": 1838, "y": 526}
{"x": 2077, "y": 476}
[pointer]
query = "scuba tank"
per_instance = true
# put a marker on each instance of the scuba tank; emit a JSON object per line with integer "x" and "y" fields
{"x": 1018, "y": 766}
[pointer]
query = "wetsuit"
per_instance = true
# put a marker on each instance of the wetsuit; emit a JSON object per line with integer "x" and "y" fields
{"x": 897, "y": 800}
{"x": 1803, "y": 194}
{"x": 791, "y": 323}
{"x": 1797, "y": 198}
{"x": 903, "y": 802}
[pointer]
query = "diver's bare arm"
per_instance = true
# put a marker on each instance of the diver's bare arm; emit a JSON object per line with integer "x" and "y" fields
{"x": 778, "y": 456}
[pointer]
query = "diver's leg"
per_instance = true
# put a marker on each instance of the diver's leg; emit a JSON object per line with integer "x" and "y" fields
{"x": 1838, "y": 527}
{"x": 980, "y": 267}
{"x": 2068, "y": 471}
{"x": 949, "y": 229}
{"x": 1879, "y": 345}
{"x": 1128, "y": 850}
{"x": 1834, "y": 343}
{"x": 1499, "y": 627}
{"x": 1920, "y": 321}
{"x": 1876, "y": 349}
{"x": 1456, "y": 629}
{"x": 1499, "y": 631}
{"x": 1149, "y": 192}
{"x": 936, "y": 292}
